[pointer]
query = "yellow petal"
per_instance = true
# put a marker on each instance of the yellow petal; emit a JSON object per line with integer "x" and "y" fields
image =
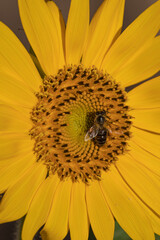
{"x": 13, "y": 120}
{"x": 147, "y": 119}
{"x": 142, "y": 181}
{"x": 153, "y": 218}
{"x": 12, "y": 144}
{"x": 104, "y": 29}
{"x": 134, "y": 38}
{"x": 14, "y": 170}
{"x": 16, "y": 200}
{"x": 42, "y": 33}
{"x": 100, "y": 217}
{"x": 15, "y": 60}
{"x": 152, "y": 164}
{"x": 5, "y": 162}
{"x": 145, "y": 95}
{"x": 39, "y": 208}
{"x": 56, "y": 226}
{"x": 60, "y": 25}
{"x": 15, "y": 92}
{"x": 146, "y": 140}
{"x": 124, "y": 206}
{"x": 144, "y": 65}
{"x": 78, "y": 219}
{"x": 76, "y": 30}
{"x": 145, "y": 158}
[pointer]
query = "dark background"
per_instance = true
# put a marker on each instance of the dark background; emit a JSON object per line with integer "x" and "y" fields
{"x": 10, "y": 16}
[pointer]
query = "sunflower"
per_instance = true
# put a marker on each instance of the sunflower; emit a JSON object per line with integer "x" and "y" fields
{"x": 76, "y": 147}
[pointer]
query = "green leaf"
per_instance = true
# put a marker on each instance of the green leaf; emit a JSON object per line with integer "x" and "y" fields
{"x": 157, "y": 237}
{"x": 91, "y": 235}
{"x": 119, "y": 233}
{"x": 18, "y": 228}
{"x": 36, "y": 62}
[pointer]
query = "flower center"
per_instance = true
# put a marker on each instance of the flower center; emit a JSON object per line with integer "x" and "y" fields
{"x": 80, "y": 123}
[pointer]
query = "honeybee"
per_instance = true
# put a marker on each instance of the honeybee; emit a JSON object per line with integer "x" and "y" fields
{"x": 98, "y": 131}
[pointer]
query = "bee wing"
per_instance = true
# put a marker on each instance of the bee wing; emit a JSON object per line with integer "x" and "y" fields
{"x": 92, "y": 133}
{"x": 115, "y": 132}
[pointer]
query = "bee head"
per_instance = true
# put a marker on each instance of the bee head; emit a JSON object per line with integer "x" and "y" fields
{"x": 101, "y": 113}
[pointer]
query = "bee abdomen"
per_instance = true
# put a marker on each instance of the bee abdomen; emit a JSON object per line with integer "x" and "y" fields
{"x": 101, "y": 137}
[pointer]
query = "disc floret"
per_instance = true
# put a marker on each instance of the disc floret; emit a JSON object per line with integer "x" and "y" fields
{"x": 66, "y": 109}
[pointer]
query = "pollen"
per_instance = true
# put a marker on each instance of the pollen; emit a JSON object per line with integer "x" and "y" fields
{"x": 66, "y": 109}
